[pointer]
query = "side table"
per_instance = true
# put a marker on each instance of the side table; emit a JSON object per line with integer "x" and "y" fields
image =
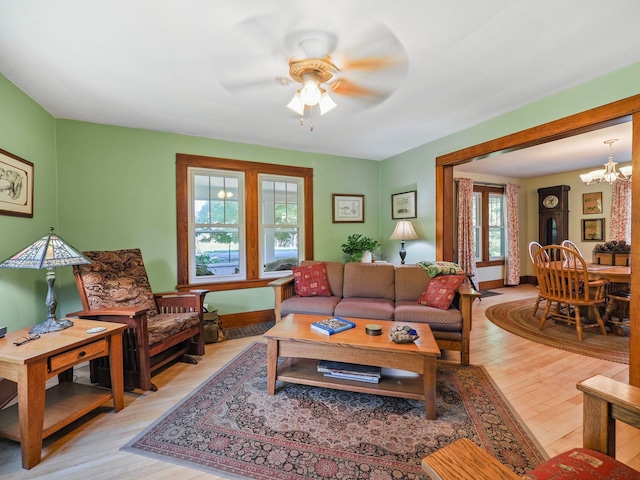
{"x": 41, "y": 412}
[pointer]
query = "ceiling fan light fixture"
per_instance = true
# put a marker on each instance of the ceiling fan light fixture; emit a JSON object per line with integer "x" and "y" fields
{"x": 310, "y": 93}
{"x": 326, "y": 103}
{"x": 296, "y": 104}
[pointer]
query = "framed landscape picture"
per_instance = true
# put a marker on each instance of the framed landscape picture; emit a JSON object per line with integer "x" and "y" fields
{"x": 403, "y": 205}
{"x": 593, "y": 230}
{"x": 16, "y": 186}
{"x": 592, "y": 203}
{"x": 348, "y": 208}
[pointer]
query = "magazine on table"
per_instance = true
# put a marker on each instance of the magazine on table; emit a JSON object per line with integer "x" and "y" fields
{"x": 357, "y": 378}
{"x": 332, "y": 325}
{"x": 353, "y": 369}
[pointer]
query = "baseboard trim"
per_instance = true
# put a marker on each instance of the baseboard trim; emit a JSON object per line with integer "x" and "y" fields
{"x": 231, "y": 320}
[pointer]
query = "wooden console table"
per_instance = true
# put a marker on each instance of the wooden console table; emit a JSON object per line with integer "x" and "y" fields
{"x": 41, "y": 412}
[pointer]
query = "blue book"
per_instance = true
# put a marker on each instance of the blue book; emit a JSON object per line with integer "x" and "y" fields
{"x": 329, "y": 326}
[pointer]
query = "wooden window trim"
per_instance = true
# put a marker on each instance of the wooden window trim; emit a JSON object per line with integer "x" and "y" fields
{"x": 251, "y": 171}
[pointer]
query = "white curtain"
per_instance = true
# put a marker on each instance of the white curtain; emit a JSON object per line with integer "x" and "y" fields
{"x": 620, "y": 211}
{"x": 466, "y": 248}
{"x": 512, "y": 255}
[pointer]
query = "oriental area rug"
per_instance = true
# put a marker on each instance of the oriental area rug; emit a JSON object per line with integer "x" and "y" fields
{"x": 230, "y": 427}
{"x": 516, "y": 317}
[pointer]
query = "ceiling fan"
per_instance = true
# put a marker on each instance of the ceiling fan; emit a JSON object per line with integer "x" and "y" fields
{"x": 363, "y": 69}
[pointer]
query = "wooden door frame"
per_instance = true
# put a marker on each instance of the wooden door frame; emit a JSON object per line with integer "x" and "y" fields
{"x": 624, "y": 110}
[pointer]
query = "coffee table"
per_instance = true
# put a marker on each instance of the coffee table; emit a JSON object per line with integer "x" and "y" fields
{"x": 302, "y": 347}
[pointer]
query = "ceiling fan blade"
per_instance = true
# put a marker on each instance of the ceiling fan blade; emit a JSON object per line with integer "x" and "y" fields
{"x": 311, "y": 43}
{"x": 371, "y": 64}
{"x": 352, "y": 89}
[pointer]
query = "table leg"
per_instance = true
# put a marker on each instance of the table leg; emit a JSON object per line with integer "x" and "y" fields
{"x": 31, "y": 403}
{"x": 429, "y": 379}
{"x": 116, "y": 371}
{"x": 272, "y": 365}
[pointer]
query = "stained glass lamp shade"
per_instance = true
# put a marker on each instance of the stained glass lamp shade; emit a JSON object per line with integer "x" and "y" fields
{"x": 47, "y": 252}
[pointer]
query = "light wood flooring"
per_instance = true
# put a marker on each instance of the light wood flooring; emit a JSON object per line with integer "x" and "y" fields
{"x": 538, "y": 381}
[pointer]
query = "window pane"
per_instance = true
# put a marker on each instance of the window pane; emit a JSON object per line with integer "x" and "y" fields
{"x": 217, "y": 251}
{"x": 280, "y": 227}
{"x": 281, "y": 251}
{"x": 495, "y": 211}
{"x": 496, "y": 242}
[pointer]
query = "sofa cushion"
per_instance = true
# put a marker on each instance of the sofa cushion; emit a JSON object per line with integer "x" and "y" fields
{"x": 436, "y": 268}
{"x": 582, "y": 463}
{"x": 311, "y": 280}
{"x": 369, "y": 280}
{"x": 335, "y": 273}
{"x": 410, "y": 282}
{"x": 441, "y": 290}
{"x": 439, "y": 320}
{"x": 309, "y": 305}
{"x": 373, "y": 308}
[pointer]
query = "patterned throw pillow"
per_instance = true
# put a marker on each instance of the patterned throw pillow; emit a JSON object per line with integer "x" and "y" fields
{"x": 441, "y": 290}
{"x": 441, "y": 268}
{"x": 311, "y": 280}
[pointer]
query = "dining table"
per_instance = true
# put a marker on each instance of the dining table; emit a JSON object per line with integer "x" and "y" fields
{"x": 614, "y": 274}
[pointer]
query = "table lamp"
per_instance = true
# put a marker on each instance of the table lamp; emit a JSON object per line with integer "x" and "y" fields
{"x": 403, "y": 231}
{"x": 47, "y": 252}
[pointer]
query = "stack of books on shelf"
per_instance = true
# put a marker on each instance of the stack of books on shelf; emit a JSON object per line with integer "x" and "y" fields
{"x": 329, "y": 326}
{"x": 350, "y": 371}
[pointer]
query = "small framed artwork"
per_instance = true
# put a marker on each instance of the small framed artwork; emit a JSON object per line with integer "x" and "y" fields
{"x": 403, "y": 205}
{"x": 348, "y": 208}
{"x": 593, "y": 230}
{"x": 592, "y": 203}
{"x": 16, "y": 186}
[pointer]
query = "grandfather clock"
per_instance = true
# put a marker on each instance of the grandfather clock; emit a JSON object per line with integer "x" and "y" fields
{"x": 553, "y": 210}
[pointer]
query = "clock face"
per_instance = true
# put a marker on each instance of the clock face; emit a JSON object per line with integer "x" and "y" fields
{"x": 550, "y": 201}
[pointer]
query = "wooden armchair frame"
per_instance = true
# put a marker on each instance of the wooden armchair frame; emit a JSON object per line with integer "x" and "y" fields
{"x": 604, "y": 401}
{"x": 142, "y": 358}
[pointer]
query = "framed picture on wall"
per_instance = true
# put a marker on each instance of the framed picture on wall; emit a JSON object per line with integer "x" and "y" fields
{"x": 592, "y": 203}
{"x": 593, "y": 230}
{"x": 16, "y": 186}
{"x": 403, "y": 205}
{"x": 348, "y": 208}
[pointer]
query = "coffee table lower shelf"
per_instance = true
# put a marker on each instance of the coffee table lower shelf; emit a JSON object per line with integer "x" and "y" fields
{"x": 304, "y": 371}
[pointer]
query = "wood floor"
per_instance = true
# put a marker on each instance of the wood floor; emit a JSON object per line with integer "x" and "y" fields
{"x": 538, "y": 381}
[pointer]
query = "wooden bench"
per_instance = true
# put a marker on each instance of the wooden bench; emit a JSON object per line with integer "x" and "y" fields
{"x": 605, "y": 401}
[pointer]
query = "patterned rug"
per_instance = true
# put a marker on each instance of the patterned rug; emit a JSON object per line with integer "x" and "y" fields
{"x": 515, "y": 317}
{"x": 247, "y": 330}
{"x": 230, "y": 427}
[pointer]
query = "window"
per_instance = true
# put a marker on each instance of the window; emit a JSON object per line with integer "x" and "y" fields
{"x": 240, "y": 224}
{"x": 489, "y": 225}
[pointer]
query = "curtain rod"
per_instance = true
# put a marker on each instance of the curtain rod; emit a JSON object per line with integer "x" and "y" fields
{"x": 486, "y": 184}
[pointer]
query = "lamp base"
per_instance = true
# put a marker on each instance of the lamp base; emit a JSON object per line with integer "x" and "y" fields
{"x": 51, "y": 325}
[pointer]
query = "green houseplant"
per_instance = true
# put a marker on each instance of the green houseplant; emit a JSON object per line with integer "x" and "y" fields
{"x": 357, "y": 244}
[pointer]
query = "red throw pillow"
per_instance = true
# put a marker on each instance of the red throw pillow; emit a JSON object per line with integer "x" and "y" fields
{"x": 311, "y": 280}
{"x": 441, "y": 290}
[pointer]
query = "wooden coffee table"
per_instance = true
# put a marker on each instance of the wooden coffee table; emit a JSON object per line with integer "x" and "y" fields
{"x": 293, "y": 338}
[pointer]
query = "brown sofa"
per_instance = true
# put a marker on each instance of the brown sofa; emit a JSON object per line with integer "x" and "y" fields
{"x": 383, "y": 291}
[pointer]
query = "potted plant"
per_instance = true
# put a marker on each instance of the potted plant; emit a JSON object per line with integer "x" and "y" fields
{"x": 356, "y": 246}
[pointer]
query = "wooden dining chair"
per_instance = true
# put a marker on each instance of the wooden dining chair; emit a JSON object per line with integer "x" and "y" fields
{"x": 563, "y": 278}
{"x": 533, "y": 248}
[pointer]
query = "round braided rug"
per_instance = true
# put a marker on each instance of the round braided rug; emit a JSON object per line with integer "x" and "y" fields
{"x": 516, "y": 317}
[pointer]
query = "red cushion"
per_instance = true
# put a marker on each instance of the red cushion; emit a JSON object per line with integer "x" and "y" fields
{"x": 311, "y": 280}
{"x": 582, "y": 464}
{"x": 441, "y": 290}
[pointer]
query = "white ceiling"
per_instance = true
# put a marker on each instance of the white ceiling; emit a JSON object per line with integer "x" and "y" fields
{"x": 165, "y": 64}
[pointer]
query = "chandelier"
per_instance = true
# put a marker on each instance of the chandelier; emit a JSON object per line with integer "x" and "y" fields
{"x": 608, "y": 174}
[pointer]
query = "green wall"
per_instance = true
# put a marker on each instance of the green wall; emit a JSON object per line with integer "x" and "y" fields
{"x": 107, "y": 187}
{"x": 28, "y": 131}
{"x": 118, "y": 191}
{"x": 415, "y": 168}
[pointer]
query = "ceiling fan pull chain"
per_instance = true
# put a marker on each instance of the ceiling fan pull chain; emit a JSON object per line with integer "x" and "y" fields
{"x": 311, "y": 119}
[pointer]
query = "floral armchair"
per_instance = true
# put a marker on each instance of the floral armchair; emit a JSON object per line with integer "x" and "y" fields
{"x": 162, "y": 327}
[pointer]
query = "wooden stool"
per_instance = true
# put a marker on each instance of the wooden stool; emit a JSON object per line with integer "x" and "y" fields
{"x": 617, "y": 303}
